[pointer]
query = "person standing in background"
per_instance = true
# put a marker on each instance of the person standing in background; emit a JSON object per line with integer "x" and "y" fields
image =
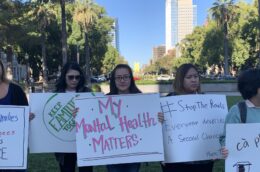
{"x": 187, "y": 82}
{"x": 11, "y": 94}
{"x": 71, "y": 80}
{"x": 249, "y": 88}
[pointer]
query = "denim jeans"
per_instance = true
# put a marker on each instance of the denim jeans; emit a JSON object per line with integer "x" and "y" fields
{"x": 131, "y": 167}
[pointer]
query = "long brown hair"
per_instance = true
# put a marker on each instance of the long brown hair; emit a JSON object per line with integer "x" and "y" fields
{"x": 3, "y": 74}
{"x": 178, "y": 83}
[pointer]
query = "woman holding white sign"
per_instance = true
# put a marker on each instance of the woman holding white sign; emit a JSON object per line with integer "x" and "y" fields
{"x": 187, "y": 82}
{"x": 247, "y": 111}
{"x": 122, "y": 82}
{"x": 10, "y": 94}
{"x": 71, "y": 80}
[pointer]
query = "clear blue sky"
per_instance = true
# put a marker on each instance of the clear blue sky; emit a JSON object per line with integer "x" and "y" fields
{"x": 142, "y": 25}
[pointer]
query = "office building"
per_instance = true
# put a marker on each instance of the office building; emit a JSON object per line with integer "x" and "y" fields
{"x": 115, "y": 35}
{"x": 158, "y": 52}
{"x": 181, "y": 18}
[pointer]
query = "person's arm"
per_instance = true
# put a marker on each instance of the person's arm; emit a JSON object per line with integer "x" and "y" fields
{"x": 232, "y": 117}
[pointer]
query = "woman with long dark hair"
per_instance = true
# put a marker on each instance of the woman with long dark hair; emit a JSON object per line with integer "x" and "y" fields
{"x": 187, "y": 81}
{"x": 11, "y": 94}
{"x": 71, "y": 80}
{"x": 122, "y": 82}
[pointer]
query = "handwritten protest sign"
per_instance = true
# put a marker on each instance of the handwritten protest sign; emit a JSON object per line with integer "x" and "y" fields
{"x": 119, "y": 129}
{"x": 243, "y": 144}
{"x": 53, "y": 128}
{"x": 13, "y": 137}
{"x": 193, "y": 126}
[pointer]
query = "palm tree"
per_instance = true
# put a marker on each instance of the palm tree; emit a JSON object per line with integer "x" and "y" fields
{"x": 85, "y": 15}
{"x": 63, "y": 32}
{"x": 223, "y": 12}
{"x": 43, "y": 15}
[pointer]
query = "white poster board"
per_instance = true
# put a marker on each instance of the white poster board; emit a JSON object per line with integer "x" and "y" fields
{"x": 53, "y": 128}
{"x": 193, "y": 126}
{"x": 243, "y": 144}
{"x": 119, "y": 129}
{"x": 13, "y": 136}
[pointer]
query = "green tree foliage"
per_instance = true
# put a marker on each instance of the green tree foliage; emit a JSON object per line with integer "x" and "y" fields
{"x": 34, "y": 27}
{"x": 87, "y": 14}
{"x": 163, "y": 65}
{"x": 112, "y": 58}
{"x": 205, "y": 46}
{"x": 223, "y": 12}
{"x": 43, "y": 14}
{"x": 11, "y": 31}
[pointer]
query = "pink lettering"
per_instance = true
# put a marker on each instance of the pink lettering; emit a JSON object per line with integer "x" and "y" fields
{"x": 143, "y": 120}
{"x": 95, "y": 126}
{"x": 82, "y": 124}
{"x": 113, "y": 143}
{"x": 112, "y": 106}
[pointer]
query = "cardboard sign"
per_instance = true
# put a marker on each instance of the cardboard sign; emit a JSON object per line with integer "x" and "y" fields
{"x": 243, "y": 144}
{"x": 119, "y": 129}
{"x": 53, "y": 128}
{"x": 193, "y": 126}
{"x": 13, "y": 136}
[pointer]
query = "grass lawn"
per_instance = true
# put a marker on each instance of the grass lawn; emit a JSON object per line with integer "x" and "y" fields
{"x": 47, "y": 162}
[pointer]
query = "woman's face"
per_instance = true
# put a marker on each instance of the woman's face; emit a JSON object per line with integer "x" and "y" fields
{"x": 122, "y": 80}
{"x": 72, "y": 79}
{"x": 191, "y": 81}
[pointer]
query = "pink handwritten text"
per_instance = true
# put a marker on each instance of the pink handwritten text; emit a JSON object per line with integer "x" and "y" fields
{"x": 114, "y": 143}
{"x": 112, "y": 104}
{"x": 143, "y": 120}
{"x": 96, "y": 126}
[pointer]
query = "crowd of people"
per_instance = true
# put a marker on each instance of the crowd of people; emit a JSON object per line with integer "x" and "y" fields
{"x": 187, "y": 82}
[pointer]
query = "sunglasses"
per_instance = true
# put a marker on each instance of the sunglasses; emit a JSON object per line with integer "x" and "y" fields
{"x": 72, "y": 77}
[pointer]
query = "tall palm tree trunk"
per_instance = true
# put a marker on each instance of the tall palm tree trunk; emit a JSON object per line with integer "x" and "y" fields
{"x": 44, "y": 64}
{"x": 87, "y": 58}
{"x": 226, "y": 68}
{"x": 63, "y": 32}
{"x": 258, "y": 35}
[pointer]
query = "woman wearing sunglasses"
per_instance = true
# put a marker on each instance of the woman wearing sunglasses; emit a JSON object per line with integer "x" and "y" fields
{"x": 71, "y": 80}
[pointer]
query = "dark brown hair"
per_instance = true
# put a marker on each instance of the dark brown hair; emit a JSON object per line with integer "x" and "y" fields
{"x": 178, "y": 83}
{"x": 61, "y": 84}
{"x": 3, "y": 76}
{"x": 113, "y": 89}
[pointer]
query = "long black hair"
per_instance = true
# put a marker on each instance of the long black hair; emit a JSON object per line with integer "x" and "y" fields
{"x": 113, "y": 89}
{"x": 248, "y": 83}
{"x": 3, "y": 75}
{"x": 61, "y": 84}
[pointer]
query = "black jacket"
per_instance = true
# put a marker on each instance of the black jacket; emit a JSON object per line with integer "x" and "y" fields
{"x": 18, "y": 96}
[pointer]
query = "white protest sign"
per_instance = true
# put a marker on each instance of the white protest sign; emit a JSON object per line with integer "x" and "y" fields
{"x": 243, "y": 144}
{"x": 193, "y": 126}
{"x": 119, "y": 129}
{"x": 13, "y": 136}
{"x": 53, "y": 128}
